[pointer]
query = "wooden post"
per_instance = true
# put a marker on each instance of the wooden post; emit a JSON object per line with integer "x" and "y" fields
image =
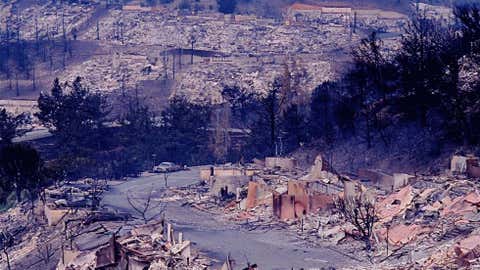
{"x": 63, "y": 254}
{"x": 238, "y": 197}
{"x": 388, "y": 227}
{"x": 303, "y": 216}
{"x": 169, "y": 232}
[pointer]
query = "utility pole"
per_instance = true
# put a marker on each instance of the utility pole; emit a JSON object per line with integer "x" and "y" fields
{"x": 63, "y": 60}
{"x": 64, "y": 34}
{"x": 34, "y": 85}
{"x": 173, "y": 65}
{"x": 354, "y": 22}
{"x": 18, "y": 23}
{"x": 180, "y": 59}
{"x": 123, "y": 85}
{"x": 192, "y": 41}
{"x": 36, "y": 33}
{"x": 98, "y": 31}
{"x": 16, "y": 83}
{"x": 121, "y": 31}
{"x": 165, "y": 64}
{"x": 388, "y": 228}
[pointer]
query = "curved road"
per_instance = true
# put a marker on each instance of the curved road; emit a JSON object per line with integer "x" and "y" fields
{"x": 269, "y": 249}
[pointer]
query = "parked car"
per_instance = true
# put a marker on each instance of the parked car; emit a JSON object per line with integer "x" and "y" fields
{"x": 165, "y": 167}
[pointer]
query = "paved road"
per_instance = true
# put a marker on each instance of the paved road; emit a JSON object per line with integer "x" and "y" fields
{"x": 36, "y": 134}
{"x": 270, "y": 250}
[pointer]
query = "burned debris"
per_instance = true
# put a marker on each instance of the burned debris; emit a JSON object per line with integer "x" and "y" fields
{"x": 133, "y": 46}
{"x": 401, "y": 219}
{"x": 423, "y": 221}
{"x": 211, "y": 69}
{"x": 68, "y": 197}
{"x": 149, "y": 246}
{"x": 72, "y": 231}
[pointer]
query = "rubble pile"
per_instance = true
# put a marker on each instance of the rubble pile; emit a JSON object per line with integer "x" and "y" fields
{"x": 381, "y": 20}
{"x": 248, "y": 53}
{"x": 119, "y": 71}
{"x": 423, "y": 221}
{"x": 205, "y": 82}
{"x": 102, "y": 238}
{"x": 428, "y": 223}
{"x": 442, "y": 220}
{"x": 21, "y": 227}
{"x": 260, "y": 195}
{"x": 438, "y": 12}
{"x": 150, "y": 246}
{"x": 215, "y": 33}
{"x": 195, "y": 56}
{"x": 70, "y": 197}
{"x": 47, "y": 19}
{"x": 133, "y": 45}
{"x": 65, "y": 230}
{"x": 35, "y": 226}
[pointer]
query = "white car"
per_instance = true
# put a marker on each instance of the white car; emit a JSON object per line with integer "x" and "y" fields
{"x": 165, "y": 167}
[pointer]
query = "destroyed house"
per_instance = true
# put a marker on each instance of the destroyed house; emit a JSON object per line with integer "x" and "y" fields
{"x": 224, "y": 181}
{"x": 301, "y": 198}
{"x": 227, "y": 185}
{"x": 352, "y": 188}
{"x": 378, "y": 14}
{"x": 384, "y": 181}
{"x": 258, "y": 193}
{"x": 139, "y": 8}
{"x": 144, "y": 247}
{"x": 299, "y": 11}
{"x": 465, "y": 165}
{"x": 70, "y": 197}
{"x": 225, "y": 171}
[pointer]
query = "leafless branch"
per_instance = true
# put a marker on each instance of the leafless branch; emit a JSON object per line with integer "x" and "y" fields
{"x": 360, "y": 212}
{"x": 6, "y": 241}
{"x": 45, "y": 252}
{"x": 146, "y": 209}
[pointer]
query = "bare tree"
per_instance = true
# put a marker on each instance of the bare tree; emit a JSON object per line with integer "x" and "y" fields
{"x": 96, "y": 190}
{"x": 44, "y": 253}
{"x": 6, "y": 241}
{"x": 359, "y": 210}
{"x": 146, "y": 209}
